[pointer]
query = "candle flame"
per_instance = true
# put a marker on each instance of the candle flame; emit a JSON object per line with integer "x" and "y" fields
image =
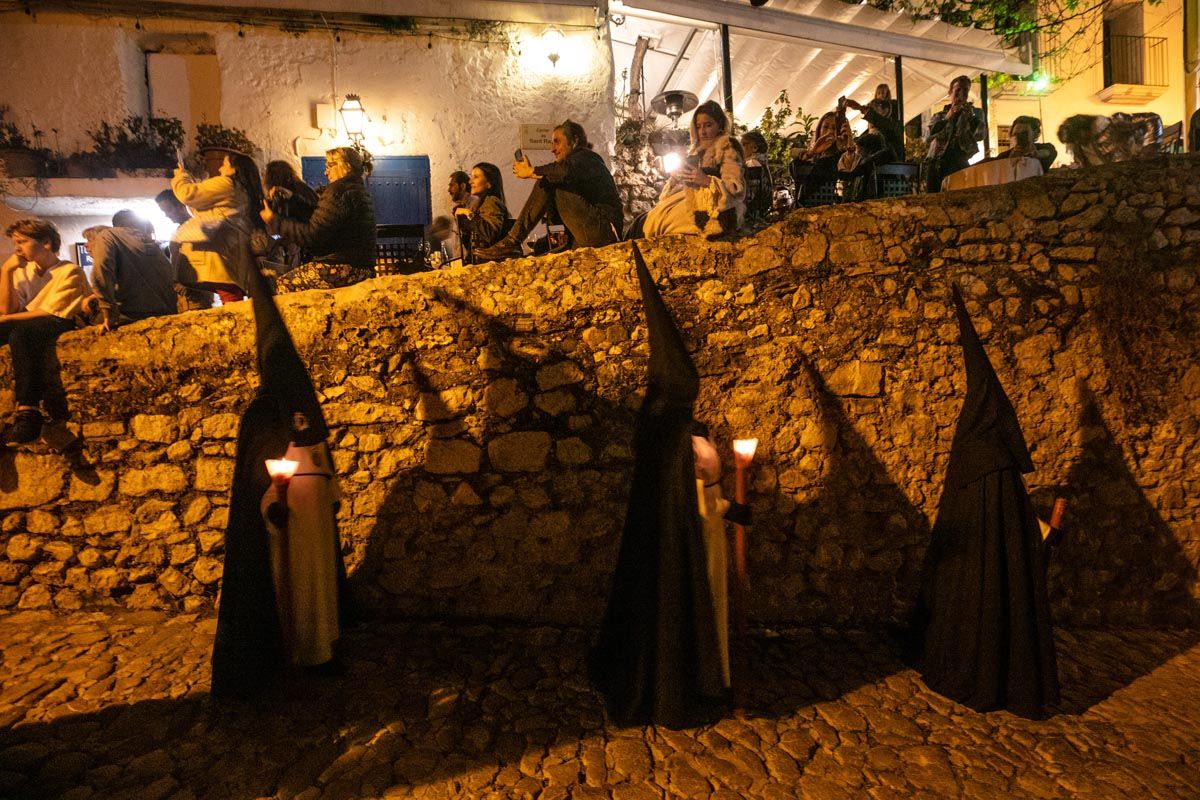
{"x": 745, "y": 447}
{"x": 281, "y": 468}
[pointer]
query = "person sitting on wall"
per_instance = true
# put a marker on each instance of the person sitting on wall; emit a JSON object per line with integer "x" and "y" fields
{"x": 212, "y": 241}
{"x": 41, "y": 298}
{"x": 817, "y": 164}
{"x": 1024, "y": 134}
{"x": 760, "y": 185}
{"x": 1095, "y": 139}
{"x": 484, "y": 220}
{"x": 459, "y": 190}
{"x": 954, "y": 134}
{"x": 132, "y": 278}
{"x": 707, "y": 194}
{"x": 341, "y": 229}
{"x": 577, "y": 187}
{"x": 289, "y": 197}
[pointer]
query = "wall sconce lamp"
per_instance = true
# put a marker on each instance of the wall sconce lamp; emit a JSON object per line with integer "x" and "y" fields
{"x": 552, "y": 42}
{"x": 354, "y": 117}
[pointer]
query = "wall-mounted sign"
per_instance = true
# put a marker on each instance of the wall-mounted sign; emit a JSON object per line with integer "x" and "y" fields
{"x": 536, "y": 136}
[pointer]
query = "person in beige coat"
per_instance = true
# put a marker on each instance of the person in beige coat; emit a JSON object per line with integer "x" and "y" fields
{"x": 707, "y": 194}
{"x": 221, "y": 206}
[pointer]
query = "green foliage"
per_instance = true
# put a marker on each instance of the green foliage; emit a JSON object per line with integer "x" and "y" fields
{"x": 1005, "y": 18}
{"x": 137, "y": 143}
{"x": 782, "y": 127}
{"x": 215, "y": 135}
{"x": 11, "y": 137}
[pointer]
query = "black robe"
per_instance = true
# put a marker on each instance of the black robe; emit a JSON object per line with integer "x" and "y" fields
{"x": 983, "y": 618}
{"x": 657, "y": 659}
{"x": 248, "y": 649}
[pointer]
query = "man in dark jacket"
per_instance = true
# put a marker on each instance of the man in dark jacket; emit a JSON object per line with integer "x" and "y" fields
{"x": 341, "y": 229}
{"x": 132, "y": 277}
{"x": 577, "y": 185}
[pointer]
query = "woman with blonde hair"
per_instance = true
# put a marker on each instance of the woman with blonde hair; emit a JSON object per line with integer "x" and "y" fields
{"x": 340, "y": 233}
{"x": 707, "y": 194}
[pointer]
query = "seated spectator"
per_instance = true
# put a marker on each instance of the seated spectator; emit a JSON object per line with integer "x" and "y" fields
{"x": 132, "y": 278}
{"x": 484, "y": 220}
{"x": 459, "y": 190}
{"x": 41, "y": 297}
{"x": 954, "y": 133}
{"x": 212, "y": 242}
{"x": 1194, "y": 132}
{"x": 576, "y": 188}
{"x": 1024, "y": 134}
{"x": 288, "y": 195}
{"x": 440, "y": 236}
{"x": 760, "y": 185}
{"x": 1095, "y": 139}
{"x": 817, "y": 163}
{"x": 341, "y": 231}
{"x": 707, "y": 194}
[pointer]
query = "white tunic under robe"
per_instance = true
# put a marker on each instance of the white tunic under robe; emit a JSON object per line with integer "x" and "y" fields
{"x": 304, "y": 557}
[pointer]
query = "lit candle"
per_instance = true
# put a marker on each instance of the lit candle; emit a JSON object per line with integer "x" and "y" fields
{"x": 281, "y": 470}
{"x": 745, "y": 447}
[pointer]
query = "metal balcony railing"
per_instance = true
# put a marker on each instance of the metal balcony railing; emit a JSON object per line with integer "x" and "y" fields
{"x": 1135, "y": 60}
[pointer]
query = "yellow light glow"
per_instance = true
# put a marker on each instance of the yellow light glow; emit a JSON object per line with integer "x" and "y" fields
{"x": 745, "y": 447}
{"x": 281, "y": 469}
{"x": 552, "y": 42}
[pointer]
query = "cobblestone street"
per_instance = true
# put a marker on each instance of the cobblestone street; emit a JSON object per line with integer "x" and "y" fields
{"x": 115, "y": 705}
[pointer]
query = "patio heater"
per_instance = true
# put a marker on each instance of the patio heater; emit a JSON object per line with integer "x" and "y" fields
{"x": 672, "y": 143}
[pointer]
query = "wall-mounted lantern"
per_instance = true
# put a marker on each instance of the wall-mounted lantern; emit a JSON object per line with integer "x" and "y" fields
{"x": 552, "y": 43}
{"x": 354, "y": 117}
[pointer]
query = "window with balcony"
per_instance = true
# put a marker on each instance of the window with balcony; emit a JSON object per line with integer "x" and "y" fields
{"x": 1134, "y": 65}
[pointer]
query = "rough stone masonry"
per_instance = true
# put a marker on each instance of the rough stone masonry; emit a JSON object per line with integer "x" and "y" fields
{"x": 482, "y": 416}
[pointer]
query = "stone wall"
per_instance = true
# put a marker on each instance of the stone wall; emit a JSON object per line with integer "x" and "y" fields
{"x": 482, "y": 417}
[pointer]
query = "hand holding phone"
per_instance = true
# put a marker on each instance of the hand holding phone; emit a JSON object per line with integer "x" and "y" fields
{"x": 518, "y": 155}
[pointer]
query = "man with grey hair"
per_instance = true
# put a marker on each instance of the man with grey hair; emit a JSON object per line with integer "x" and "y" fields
{"x": 132, "y": 278}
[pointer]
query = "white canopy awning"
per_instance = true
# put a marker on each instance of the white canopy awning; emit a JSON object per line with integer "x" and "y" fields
{"x": 818, "y": 50}
{"x": 580, "y": 13}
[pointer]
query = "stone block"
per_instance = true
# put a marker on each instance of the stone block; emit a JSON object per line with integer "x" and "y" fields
{"x": 196, "y": 510}
{"x": 560, "y": 373}
{"x": 107, "y": 519}
{"x": 23, "y": 548}
{"x": 174, "y": 582}
{"x": 207, "y": 570}
{"x": 166, "y": 478}
{"x": 36, "y": 596}
{"x": 573, "y": 451}
{"x": 91, "y": 487}
{"x": 523, "y": 451}
{"x": 857, "y": 379}
{"x": 450, "y": 456}
{"x": 39, "y": 480}
{"x": 443, "y": 405}
{"x": 182, "y": 554}
{"x": 503, "y": 398}
{"x": 59, "y": 551}
{"x": 158, "y": 428}
{"x": 220, "y": 426}
{"x": 557, "y": 402}
{"x": 214, "y": 474}
{"x": 41, "y": 522}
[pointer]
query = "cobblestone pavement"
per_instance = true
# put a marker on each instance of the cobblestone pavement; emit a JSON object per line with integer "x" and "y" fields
{"x": 115, "y": 705}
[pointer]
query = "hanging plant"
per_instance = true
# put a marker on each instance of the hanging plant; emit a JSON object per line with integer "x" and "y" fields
{"x": 784, "y": 127}
{"x": 18, "y": 157}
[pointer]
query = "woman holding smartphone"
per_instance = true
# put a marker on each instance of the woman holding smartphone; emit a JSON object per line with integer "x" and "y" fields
{"x": 707, "y": 194}
{"x": 485, "y": 219}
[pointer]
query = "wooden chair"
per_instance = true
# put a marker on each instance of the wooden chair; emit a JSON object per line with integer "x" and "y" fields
{"x": 1172, "y": 139}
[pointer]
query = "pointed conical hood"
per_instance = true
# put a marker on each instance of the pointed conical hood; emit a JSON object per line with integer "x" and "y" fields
{"x": 672, "y": 378}
{"x": 988, "y": 436}
{"x": 282, "y": 373}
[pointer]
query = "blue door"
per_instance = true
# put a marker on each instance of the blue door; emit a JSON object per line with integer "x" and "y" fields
{"x": 398, "y": 184}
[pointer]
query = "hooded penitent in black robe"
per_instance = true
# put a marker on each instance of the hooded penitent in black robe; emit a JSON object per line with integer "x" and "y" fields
{"x": 657, "y": 659}
{"x": 983, "y": 618}
{"x": 248, "y": 650}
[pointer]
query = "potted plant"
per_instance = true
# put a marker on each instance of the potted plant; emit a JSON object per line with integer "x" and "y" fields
{"x": 137, "y": 145}
{"x": 18, "y": 158}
